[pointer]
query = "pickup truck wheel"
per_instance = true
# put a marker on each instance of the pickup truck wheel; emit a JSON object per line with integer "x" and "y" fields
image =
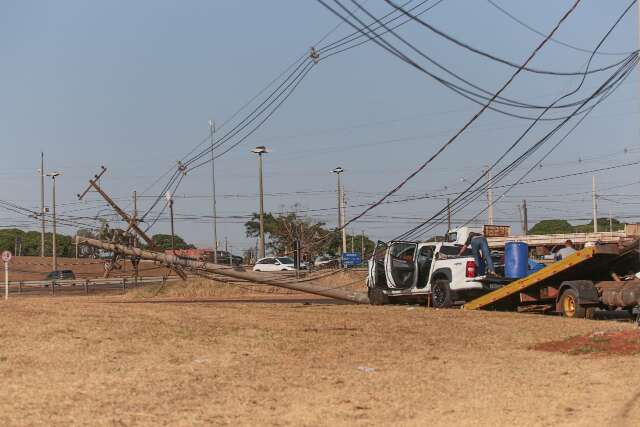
{"x": 569, "y": 305}
{"x": 377, "y": 297}
{"x": 441, "y": 294}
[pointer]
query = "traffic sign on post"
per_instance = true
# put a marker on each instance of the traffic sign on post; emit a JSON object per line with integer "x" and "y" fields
{"x": 350, "y": 259}
{"x": 6, "y": 256}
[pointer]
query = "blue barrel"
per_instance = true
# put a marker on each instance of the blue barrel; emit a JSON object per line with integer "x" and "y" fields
{"x": 516, "y": 259}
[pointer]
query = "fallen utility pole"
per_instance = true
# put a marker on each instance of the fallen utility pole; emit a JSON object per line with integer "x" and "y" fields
{"x": 133, "y": 222}
{"x": 307, "y": 287}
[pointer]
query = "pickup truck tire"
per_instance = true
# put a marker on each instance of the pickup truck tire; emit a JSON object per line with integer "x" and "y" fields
{"x": 569, "y": 305}
{"x": 377, "y": 297}
{"x": 441, "y": 294}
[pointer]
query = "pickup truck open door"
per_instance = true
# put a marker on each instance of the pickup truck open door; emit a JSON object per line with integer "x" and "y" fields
{"x": 377, "y": 275}
{"x": 400, "y": 265}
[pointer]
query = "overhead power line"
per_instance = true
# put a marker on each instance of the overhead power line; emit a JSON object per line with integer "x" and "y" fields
{"x": 468, "y": 123}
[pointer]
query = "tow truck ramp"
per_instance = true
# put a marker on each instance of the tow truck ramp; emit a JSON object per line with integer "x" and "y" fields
{"x": 592, "y": 263}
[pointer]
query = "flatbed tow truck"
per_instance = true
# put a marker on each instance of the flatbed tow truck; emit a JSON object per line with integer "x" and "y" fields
{"x": 597, "y": 277}
{"x": 594, "y": 278}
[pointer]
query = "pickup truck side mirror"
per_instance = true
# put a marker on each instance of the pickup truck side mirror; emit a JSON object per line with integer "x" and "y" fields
{"x": 436, "y": 255}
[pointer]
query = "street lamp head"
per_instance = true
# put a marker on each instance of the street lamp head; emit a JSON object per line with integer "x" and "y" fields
{"x": 54, "y": 174}
{"x": 260, "y": 150}
{"x": 338, "y": 170}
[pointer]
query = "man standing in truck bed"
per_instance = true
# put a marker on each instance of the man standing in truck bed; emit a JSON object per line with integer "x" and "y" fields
{"x": 481, "y": 253}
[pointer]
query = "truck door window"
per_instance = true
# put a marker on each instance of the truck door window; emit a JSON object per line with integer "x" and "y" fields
{"x": 403, "y": 251}
{"x": 403, "y": 266}
{"x": 425, "y": 259}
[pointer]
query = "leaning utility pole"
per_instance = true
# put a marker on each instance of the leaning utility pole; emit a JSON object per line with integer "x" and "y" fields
{"x": 448, "y": 214}
{"x": 595, "y": 204}
{"x": 174, "y": 261}
{"x": 42, "y": 233}
{"x": 525, "y": 220}
{"x": 133, "y": 224}
{"x": 212, "y": 129}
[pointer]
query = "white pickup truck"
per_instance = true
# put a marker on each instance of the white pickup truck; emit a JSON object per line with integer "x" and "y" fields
{"x": 413, "y": 270}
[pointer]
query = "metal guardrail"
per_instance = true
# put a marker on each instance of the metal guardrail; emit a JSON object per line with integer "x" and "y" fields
{"x": 53, "y": 286}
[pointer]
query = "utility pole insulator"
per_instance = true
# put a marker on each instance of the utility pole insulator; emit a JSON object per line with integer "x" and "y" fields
{"x": 182, "y": 168}
{"x": 314, "y": 55}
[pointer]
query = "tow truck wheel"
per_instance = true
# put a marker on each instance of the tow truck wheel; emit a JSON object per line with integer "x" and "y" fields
{"x": 569, "y": 305}
{"x": 441, "y": 294}
{"x": 377, "y": 297}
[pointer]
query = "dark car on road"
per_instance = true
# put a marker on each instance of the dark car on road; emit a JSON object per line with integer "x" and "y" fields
{"x": 60, "y": 275}
{"x": 223, "y": 258}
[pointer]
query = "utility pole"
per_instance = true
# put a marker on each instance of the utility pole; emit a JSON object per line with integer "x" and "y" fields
{"x": 173, "y": 239}
{"x": 212, "y": 129}
{"x": 260, "y": 150}
{"x": 489, "y": 197}
{"x": 610, "y": 222}
{"x": 42, "y": 232}
{"x": 525, "y": 219}
{"x": 362, "y": 246}
{"x": 53, "y": 176}
{"x": 135, "y": 215}
{"x": 135, "y": 262}
{"x": 344, "y": 221}
{"x": 448, "y": 214}
{"x": 595, "y": 204}
{"x": 338, "y": 171}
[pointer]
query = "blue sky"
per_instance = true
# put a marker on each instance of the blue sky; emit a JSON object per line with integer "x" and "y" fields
{"x": 131, "y": 85}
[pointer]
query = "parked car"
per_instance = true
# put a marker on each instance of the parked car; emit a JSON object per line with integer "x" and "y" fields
{"x": 325, "y": 261}
{"x": 60, "y": 275}
{"x": 283, "y": 263}
{"x": 223, "y": 258}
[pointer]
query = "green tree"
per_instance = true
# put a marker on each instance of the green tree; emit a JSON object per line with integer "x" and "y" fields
{"x": 163, "y": 242}
{"x": 603, "y": 225}
{"x": 30, "y": 243}
{"x": 282, "y": 230}
{"x": 561, "y": 226}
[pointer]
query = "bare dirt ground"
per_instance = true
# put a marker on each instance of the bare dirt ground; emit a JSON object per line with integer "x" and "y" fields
{"x": 229, "y": 358}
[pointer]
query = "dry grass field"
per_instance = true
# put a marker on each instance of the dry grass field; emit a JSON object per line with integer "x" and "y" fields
{"x": 250, "y": 357}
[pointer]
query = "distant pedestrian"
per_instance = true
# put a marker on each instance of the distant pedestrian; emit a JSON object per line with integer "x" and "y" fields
{"x": 566, "y": 251}
{"x": 481, "y": 253}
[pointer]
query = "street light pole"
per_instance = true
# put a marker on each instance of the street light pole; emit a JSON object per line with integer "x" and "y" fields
{"x": 53, "y": 176}
{"x": 260, "y": 150}
{"x": 212, "y": 129}
{"x": 42, "y": 204}
{"x": 338, "y": 171}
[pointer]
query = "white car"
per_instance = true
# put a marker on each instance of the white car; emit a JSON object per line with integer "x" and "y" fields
{"x": 282, "y": 263}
